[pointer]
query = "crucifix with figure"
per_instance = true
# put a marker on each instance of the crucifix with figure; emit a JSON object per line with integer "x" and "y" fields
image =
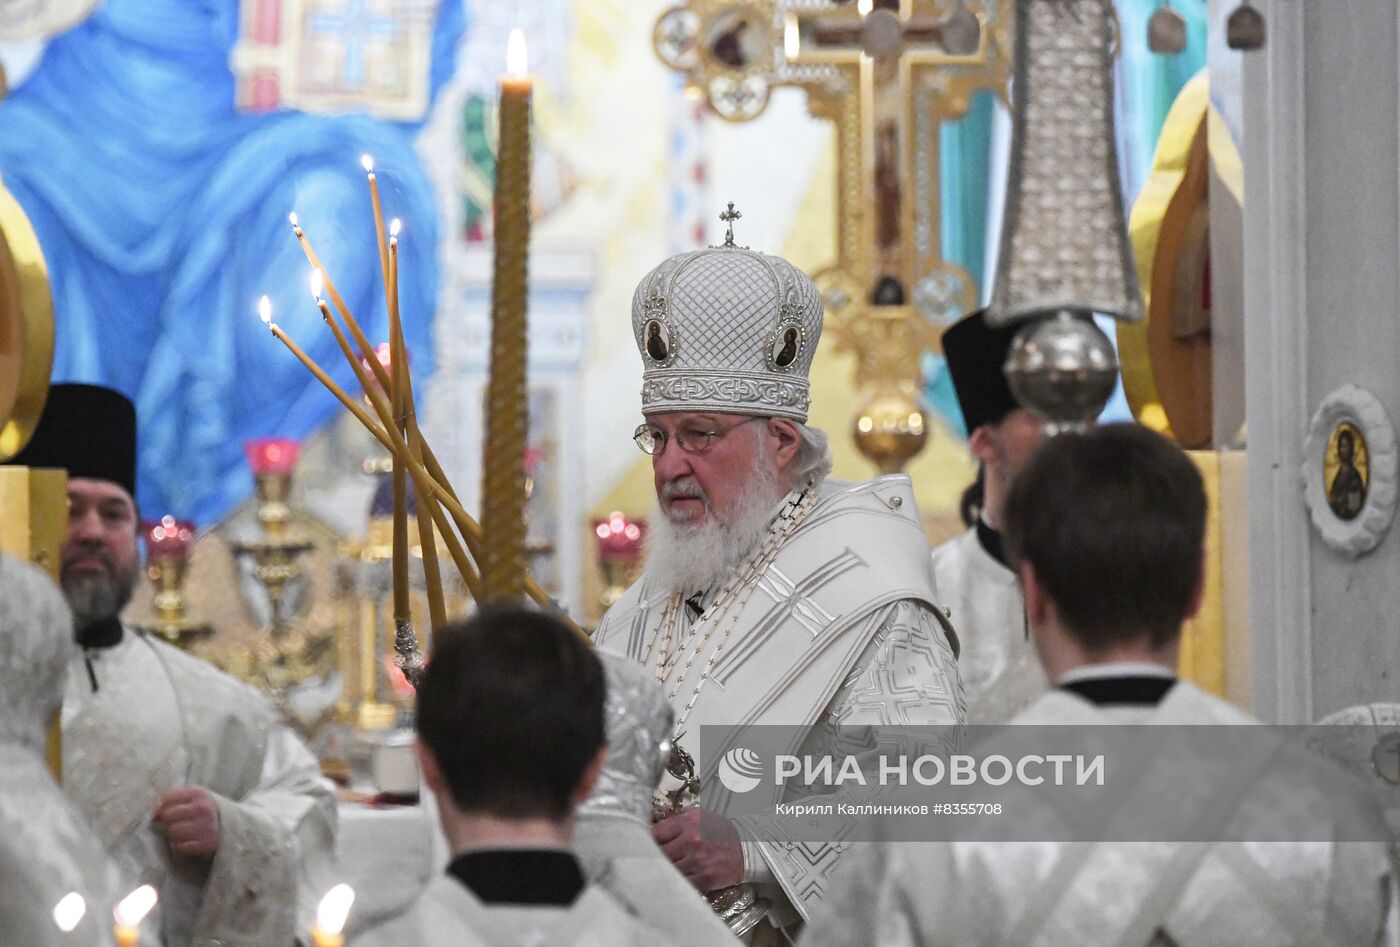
{"x": 887, "y": 73}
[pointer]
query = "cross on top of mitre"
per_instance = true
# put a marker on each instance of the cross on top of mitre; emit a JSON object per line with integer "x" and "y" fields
{"x": 729, "y": 216}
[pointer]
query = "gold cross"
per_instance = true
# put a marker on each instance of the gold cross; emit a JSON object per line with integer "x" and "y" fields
{"x": 883, "y": 73}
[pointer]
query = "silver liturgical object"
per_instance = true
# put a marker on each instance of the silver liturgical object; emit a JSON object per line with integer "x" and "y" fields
{"x": 1065, "y": 253}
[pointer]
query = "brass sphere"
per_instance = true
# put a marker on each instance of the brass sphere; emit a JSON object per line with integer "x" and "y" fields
{"x": 891, "y": 428}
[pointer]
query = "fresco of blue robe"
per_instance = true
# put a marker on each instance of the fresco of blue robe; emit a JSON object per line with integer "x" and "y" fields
{"x": 162, "y": 213}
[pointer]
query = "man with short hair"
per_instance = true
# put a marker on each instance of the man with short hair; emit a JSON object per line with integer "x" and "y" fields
{"x": 772, "y": 594}
{"x": 1107, "y": 532}
{"x": 188, "y": 776}
{"x": 998, "y": 666}
{"x": 47, "y": 853}
{"x": 510, "y": 741}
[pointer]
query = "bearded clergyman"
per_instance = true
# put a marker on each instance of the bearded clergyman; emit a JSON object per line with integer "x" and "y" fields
{"x": 187, "y": 776}
{"x": 772, "y": 593}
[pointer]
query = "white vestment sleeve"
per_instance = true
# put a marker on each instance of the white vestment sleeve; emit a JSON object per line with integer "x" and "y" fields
{"x": 276, "y": 851}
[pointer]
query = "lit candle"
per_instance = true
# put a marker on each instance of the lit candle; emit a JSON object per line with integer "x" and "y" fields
{"x": 130, "y": 912}
{"x": 350, "y": 322}
{"x": 426, "y": 484}
{"x": 367, "y": 163}
{"x": 503, "y": 501}
{"x": 68, "y": 912}
{"x": 331, "y": 914}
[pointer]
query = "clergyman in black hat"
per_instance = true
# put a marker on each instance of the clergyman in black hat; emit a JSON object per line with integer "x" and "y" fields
{"x": 998, "y": 666}
{"x": 187, "y": 775}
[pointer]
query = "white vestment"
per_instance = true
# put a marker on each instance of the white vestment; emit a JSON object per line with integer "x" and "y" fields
{"x": 449, "y": 915}
{"x": 46, "y": 853}
{"x": 842, "y": 629}
{"x": 612, "y": 828}
{"x": 161, "y": 719}
{"x": 998, "y": 665}
{"x": 1129, "y": 893}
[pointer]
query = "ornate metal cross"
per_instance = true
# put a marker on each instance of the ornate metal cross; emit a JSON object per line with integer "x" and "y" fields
{"x": 729, "y": 216}
{"x": 882, "y": 71}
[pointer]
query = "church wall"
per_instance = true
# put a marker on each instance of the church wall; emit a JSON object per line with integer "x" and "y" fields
{"x": 1353, "y": 330}
{"x": 1322, "y": 220}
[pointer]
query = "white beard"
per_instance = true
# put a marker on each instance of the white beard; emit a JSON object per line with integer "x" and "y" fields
{"x": 699, "y": 558}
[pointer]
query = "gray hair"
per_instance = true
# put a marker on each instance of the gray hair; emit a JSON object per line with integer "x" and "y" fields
{"x": 813, "y": 461}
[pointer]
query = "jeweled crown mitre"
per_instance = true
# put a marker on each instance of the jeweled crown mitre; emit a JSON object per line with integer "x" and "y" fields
{"x": 727, "y": 329}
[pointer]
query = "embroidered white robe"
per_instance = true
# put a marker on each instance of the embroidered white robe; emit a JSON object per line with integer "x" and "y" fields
{"x": 161, "y": 719}
{"x": 1000, "y": 672}
{"x": 842, "y": 629}
{"x": 1125, "y": 893}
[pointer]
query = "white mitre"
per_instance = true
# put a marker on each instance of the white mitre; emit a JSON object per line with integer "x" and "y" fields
{"x": 727, "y": 329}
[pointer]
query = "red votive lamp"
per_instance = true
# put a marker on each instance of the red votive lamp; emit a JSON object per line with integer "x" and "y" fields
{"x": 168, "y": 539}
{"x": 619, "y": 539}
{"x": 272, "y": 455}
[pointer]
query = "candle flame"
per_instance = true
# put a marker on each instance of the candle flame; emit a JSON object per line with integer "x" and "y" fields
{"x": 517, "y": 59}
{"x": 293, "y": 218}
{"x": 395, "y": 226}
{"x": 367, "y": 163}
{"x": 334, "y": 909}
{"x": 792, "y": 39}
{"x": 69, "y": 911}
{"x": 318, "y": 283}
{"x": 265, "y": 310}
{"x": 133, "y": 908}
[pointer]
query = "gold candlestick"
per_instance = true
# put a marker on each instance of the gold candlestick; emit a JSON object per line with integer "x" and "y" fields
{"x": 507, "y": 414}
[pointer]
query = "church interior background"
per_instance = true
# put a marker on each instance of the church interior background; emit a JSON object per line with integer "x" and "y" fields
{"x": 157, "y": 148}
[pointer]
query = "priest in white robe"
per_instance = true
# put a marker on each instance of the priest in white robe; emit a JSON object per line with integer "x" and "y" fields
{"x": 511, "y": 738}
{"x": 612, "y": 834}
{"x": 1107, "y": 529}
{"x": 772, "y": 594}
{"x": 999, "y": 669}
{"x": 48, "y": 854}
{"x": 187, "y": 776}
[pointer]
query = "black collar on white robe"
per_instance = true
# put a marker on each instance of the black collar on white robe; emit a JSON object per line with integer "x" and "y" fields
{"x": 98, "y": 636}
{"x": 545, "y": 876}
{"x": 106, "y": 633}
{"x": 1141, "y": 690}
{"x": 991, "y": 542}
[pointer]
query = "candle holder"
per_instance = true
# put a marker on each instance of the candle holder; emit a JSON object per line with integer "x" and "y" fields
{"x": 168, "y": 543}
{"x": 275, "y": 555}
{"x": 286, "y": 653}
{"x": 619, "y": 553}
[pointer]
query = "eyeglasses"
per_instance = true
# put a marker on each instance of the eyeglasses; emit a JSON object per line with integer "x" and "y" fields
{"x": 689, "y": 438}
